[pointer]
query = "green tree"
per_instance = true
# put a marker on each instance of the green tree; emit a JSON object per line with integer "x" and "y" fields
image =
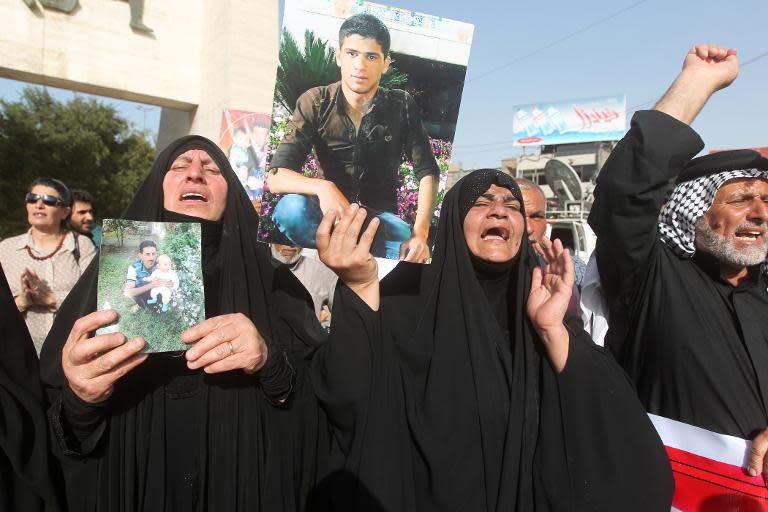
{"x": 301, "y": 69}
{"x": 119, "y": 227}
{"x": 82, "y": 142}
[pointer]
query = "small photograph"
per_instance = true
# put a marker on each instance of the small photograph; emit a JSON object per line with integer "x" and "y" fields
{"x": 243, "y": 138}
{"x": 151, "y": 274}
{"x": 365, "y": 108}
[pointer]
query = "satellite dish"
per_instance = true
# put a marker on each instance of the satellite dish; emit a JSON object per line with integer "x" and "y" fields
{"x": 564, "y": 181}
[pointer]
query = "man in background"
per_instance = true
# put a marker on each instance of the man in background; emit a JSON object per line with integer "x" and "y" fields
{"x": 82, "y": 219}
{"x": 318, "y": 279}
{"x": 536, "y": 221}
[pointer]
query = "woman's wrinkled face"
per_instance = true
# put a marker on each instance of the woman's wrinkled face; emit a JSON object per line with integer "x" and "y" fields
{"x": 40, "y": 215}
{"x": 195, "y": 186}
{"x": 494, "y": 226}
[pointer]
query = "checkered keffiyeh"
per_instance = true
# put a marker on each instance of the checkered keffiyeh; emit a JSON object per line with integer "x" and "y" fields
{"x": 688, "y": 202}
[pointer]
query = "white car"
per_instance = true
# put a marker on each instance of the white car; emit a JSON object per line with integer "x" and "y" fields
{"x": 576, "y": 235}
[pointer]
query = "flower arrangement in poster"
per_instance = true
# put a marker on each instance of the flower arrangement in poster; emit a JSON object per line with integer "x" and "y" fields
{"x": 408, "y": 191}
{"x": 267, "y": 228}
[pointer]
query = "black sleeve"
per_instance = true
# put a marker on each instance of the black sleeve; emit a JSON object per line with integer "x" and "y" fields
{"x": 631, "y": 188}
{"x": 418, "y": 149}
{"x": 596, "y": 435}
{"x": 297, "y": 141}
{"x": 77, "y": 425}
{"x": 342, "y": 368}
{"x": 277, "y": 376}
{"x": 29, "y": 476}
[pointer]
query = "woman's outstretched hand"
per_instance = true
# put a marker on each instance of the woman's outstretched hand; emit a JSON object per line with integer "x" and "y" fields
{"x": 551, "y": 289}
{"x": 341, "y": 251}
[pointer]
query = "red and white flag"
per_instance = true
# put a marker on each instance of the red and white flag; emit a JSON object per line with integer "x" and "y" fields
{"x": 709, "y": 470}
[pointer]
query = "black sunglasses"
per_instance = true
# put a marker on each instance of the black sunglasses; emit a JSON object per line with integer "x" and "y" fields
{"x": 47, "y": 200}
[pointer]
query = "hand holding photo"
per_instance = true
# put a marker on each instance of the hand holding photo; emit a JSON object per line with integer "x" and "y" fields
{"x": 151, "y": 274}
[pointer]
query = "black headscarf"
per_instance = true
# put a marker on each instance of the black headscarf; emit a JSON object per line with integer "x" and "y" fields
{"x": 245, "y": 275}
{"x": 497, "y": 370}
{"x": 27, "y": 473}
{"x": 443, "y": 400}
{"x": 126, "y": 469}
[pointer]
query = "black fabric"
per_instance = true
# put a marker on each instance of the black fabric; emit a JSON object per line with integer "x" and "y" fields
{"x": 435, "y": 407}
{"x": 695, "y": 346}
{"x": 734, "y": 160}
{"x": 175, "y": 439}
{"x": 29, "y": 476}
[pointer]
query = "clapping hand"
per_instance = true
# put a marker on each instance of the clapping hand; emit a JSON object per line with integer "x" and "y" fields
{"x": 36, "y": 289}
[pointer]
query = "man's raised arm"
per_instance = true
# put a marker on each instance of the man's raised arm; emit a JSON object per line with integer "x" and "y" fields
{"x": 633, "y": 183}
{"x": 706, "y": 70}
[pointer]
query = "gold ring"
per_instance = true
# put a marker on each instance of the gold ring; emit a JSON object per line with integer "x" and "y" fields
{"x": 231, "y": 348}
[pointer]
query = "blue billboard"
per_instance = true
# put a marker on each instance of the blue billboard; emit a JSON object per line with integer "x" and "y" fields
{"x": 565, "y": 122}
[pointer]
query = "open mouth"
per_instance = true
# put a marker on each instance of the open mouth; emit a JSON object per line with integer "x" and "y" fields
{"x": 749, "y": 236}
{"x": 194, "y": 197}
{"x": 495, "y": 233}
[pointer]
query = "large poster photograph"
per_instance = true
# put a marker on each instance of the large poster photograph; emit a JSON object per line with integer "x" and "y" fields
{"x": 365, "y": 109}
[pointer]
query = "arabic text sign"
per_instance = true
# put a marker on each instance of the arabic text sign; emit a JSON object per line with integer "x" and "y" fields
{"x": 565, "y": 122}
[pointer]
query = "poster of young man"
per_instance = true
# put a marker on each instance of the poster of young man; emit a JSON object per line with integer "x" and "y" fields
{"x": 366, "y": 104}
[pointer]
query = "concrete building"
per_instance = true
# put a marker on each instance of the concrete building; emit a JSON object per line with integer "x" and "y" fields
{"x": 193, "y": 58}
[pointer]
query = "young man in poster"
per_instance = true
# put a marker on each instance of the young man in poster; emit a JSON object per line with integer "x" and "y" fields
{"x": 360, "y": 133}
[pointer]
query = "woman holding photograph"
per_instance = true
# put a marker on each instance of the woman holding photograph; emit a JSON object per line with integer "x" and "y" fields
{"x": 44, "y": 263}
{"x": 210, "y": 430}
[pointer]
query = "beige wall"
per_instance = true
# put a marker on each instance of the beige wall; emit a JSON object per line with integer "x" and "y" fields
{"x": 203, "y": 55}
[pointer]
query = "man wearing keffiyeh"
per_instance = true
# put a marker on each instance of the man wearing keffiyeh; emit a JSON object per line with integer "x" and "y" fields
{"x": 687, "y": 287}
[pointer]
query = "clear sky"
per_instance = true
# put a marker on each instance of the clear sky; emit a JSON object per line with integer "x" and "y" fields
{"x": 559, "y": 50}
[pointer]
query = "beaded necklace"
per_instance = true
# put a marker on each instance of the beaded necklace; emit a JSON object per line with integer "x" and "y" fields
{"x": 43, "y": 258}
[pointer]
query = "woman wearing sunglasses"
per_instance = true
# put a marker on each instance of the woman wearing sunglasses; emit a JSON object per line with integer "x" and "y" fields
{"x": 44, "y": 263}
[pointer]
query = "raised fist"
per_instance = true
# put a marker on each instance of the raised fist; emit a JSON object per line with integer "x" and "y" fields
{"x": 719, "y": 66}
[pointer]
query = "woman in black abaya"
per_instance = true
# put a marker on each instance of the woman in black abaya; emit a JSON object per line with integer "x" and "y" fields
{"x": 199, "y": 432}
{"x": 457, "y": 386}
{"x": 28, "y": 477}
